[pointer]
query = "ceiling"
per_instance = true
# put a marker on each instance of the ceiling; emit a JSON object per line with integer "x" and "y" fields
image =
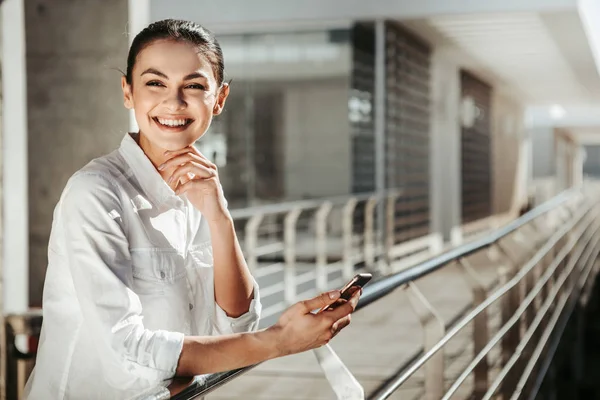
{"x": 542, "y": 58}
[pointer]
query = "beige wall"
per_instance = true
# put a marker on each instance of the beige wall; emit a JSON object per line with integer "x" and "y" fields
{"x": 510, "y": 154}
{"x": 317, "y": 144}
{"x": 75, "y": 107}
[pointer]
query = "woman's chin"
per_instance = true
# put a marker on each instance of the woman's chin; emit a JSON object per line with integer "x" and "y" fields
{"x": 170, "y": 142}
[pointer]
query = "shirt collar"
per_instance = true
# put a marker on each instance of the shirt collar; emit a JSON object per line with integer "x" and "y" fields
{"x": 150, "y": 180}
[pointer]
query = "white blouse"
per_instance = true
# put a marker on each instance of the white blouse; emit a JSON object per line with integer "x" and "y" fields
{"x": 130, "y": 273}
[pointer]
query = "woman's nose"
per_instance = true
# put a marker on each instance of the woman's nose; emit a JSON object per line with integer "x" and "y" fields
{"x": 175, "y": 101}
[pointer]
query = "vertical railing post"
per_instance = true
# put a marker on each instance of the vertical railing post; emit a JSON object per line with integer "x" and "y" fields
{"x": 390, "y": 227}
{"x": 251, "y": 240}
{"x": 433, "y": 331}
{"x": 321, "y": 245}
{"x": 510, "y": 341}
{"x": 344, "y": 384}
{"x": 348, "y": 238}
{"x": 289, "y": 238}
{"x": 369, "y": 233}
{"x": 480, "y": 329}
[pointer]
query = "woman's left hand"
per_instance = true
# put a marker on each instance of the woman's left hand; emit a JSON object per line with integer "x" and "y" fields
{"x": 198, "y": 178}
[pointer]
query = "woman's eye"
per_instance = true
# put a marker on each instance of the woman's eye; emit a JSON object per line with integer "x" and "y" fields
{"x": 154, "y": 83}
{"x": 195, "y": 86}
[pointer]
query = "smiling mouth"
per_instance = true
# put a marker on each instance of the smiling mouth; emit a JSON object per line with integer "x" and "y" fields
{"x": 173, "y": 123}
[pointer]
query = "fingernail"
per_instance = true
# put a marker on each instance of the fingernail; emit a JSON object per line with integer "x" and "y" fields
{"x": 161, "y": 167}
{"x": 334, "y": 294}
{"x": 170, "y": 180}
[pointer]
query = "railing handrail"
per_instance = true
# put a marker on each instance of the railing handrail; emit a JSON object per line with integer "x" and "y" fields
{"x": 379, "y": 289}
{"x": 280, "y": 208}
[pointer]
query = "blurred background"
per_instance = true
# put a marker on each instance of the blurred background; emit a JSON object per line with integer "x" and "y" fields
{"x": 358, "y": 136}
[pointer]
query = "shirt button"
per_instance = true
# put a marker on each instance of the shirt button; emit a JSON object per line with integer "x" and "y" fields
{"x": 191, "y": 306}
{"x": 162, "y": 274}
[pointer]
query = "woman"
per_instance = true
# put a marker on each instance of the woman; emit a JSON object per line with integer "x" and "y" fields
{"x": 146, "y": 279}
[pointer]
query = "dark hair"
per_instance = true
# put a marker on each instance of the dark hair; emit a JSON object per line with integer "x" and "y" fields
{"x": 178, "y": 30}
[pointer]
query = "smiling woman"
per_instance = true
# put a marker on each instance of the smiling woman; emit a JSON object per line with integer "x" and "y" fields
{"x": 146, "y": 279}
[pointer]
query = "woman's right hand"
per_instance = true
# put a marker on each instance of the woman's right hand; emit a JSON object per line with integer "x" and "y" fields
{"x": 298, "y": 329}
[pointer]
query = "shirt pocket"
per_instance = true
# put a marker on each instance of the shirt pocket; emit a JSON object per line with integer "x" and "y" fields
{"x": 155, "y": 271}
{"x": 201, "y": 255}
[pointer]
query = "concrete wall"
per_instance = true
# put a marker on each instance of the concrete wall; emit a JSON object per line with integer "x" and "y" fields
{"x": 75, "y": 103}
{"x": 510, "y": 148}
{"x": 316, "y": 140}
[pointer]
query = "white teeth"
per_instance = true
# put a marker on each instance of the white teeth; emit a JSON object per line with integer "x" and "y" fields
{"x": 172, "y": 122}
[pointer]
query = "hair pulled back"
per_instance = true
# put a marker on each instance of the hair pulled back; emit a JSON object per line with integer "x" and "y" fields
{"x": 179, "y": 31}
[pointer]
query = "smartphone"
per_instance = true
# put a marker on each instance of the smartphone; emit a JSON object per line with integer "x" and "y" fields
{"x": 359, "y": 281}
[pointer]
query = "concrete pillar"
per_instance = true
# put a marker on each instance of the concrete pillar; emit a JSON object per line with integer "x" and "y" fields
{"x": 139, "y": 18}
{"x": 564, "y": 160}
{"x": 3, "y": 352}
{"x": 543, "y": 152}
{"x": 76, "y": 113}
{"x": 14, "y": 158}
{"x": 559, "y": 156}
{"x": 380, "y": 118}
{"x": 445, "y": 154}
{"x": 510, "y": 149}
{"x": 578, "y": 165}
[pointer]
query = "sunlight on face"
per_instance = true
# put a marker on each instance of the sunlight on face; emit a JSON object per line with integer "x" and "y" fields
{"x": 174, "y": 94}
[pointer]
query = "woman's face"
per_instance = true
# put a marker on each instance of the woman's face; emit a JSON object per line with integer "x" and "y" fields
{"x": 174, "y": 94}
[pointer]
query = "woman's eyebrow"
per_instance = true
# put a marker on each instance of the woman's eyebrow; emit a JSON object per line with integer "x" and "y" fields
{"x": 194, "y": 75}
{"x": 155, "y": 72}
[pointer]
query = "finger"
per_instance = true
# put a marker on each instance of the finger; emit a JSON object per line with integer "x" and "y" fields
{"x": 322, "y": 300}
{"x": 198, "y": 153}
{"x": 336, "y": 304}
{"x": 340, "y": 312}
{"x": 191, "y": 184}
{"x": 341, "y": 324}
{"x": 354, "y": 292}
{"x": 191, "y": 167}
{"x": 183, "y": 158}
{"x": 189, "y": 149}
{"x": 355, "y": 298}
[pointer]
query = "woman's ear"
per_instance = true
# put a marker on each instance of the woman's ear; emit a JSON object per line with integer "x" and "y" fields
{"x": 127, "y": 97}
{"x": 221, "y": 98}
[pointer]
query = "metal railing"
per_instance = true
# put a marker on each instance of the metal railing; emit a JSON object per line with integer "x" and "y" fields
{"x": 549, "y": 259}
{"x": 298, "y": 249}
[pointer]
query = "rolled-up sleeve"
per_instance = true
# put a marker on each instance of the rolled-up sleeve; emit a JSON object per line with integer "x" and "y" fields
{"x": 244, "y": 323}
{"x": 97, "y": 251}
